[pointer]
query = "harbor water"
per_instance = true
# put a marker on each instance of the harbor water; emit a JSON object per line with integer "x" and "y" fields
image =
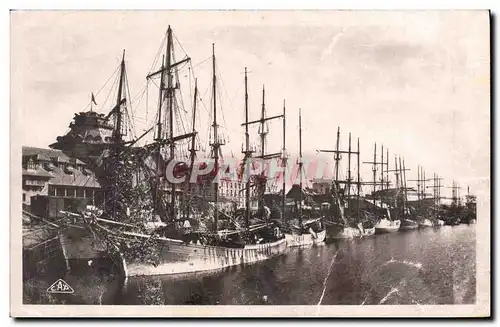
{"x": 435, "y": 265}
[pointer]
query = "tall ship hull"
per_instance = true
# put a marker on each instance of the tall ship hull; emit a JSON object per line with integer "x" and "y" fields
{"x": 175, "y": 257}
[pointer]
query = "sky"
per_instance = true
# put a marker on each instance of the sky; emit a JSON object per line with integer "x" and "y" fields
{"x": 417, "y": 82}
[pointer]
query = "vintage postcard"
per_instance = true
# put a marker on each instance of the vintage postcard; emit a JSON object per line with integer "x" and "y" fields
{"x": 250, "y": 163}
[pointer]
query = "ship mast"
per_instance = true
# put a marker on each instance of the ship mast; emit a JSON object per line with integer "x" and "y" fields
{"x": 248, "y": 153}
{"x": 167, "y": 92}
{"x": 159, "y": 136}
{"x": 374, "y": 172}
{"x": 170, "y": 108}
{"x": 262, "y": 134}
{"x": 387, "y": 169}
{"x": 348, "y": 182}
{"x": 262, "y": 183}
{"x": 117, "y": 132}
{"x": 216, "y": 142}
{"x": 337, "y": 159}
{"x": 382, "y": 174}
{"x": 349, "y": 175}
{"x": 192, "y": 150}
{"x": 160, "y": 105}
{"x": 118, "y": 126}
{"x": 284, "y": 163}
{"x": 403, "y": 187}
{"x": 404, "y": 178}
{"x": 300, "y": 168}
{"x": 358, "y": 186}
{"x": 396, "y": 173}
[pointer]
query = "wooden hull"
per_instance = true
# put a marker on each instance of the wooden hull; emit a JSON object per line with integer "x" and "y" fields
{"x": 407, "y": 224}
{"x": 387, "y": 226}
{"x": 176, "y": 257}
{"x": 305, "y": 239}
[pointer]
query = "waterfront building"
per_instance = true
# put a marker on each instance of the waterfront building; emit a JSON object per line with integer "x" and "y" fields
{"x": 47, "y": 172}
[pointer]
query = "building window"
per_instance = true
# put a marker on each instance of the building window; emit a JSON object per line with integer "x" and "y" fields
{"x": 55, "y": 161}
{"x": 60, "y": 191}
{"x": 24, "y": 197}
{"x": 80, "y": 193}
{"x": 89, "y": 194}
{"x": 70, "y": 192}
{"x": 52, "y": 191}
{"x": 31, "y": 164}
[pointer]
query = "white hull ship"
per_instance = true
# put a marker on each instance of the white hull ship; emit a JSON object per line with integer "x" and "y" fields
{"x": 305, "y": 239}
{"x": 176, "y": 257}
{"x": 387, "y": 226}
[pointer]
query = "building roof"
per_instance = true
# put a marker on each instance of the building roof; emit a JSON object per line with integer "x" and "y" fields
{"x": 47, "y": 154}
{"x": 57, "y": 175}
{"x": 77, "y": 178}
{"x": 38, "y": 172}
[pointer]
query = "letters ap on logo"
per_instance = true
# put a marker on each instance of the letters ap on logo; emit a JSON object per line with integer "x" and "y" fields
{"x": 60, "y": 286}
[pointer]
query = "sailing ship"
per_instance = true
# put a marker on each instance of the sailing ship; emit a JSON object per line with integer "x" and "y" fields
{"x": 409, "y": 218}
{"x": 297, "y": 232}
{"x": 145, "y": 232}
{"x": 470, "y": 207}
{"x": 387, "y": 224}
{"x": 341, "y": 225}
{"x": 382, "y": 217}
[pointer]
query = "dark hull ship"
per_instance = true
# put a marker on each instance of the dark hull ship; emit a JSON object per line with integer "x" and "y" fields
{"x": 353, "y": 223}
{"x": 151, "y": 225}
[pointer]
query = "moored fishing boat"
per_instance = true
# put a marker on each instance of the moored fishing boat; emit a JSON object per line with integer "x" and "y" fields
{"x": 311, "y": 232}
{"x": 386, "y": 225}
{"x": 338, "y": 231}
{"x": 366, "y": 228}
{"x": 340, "y": 225}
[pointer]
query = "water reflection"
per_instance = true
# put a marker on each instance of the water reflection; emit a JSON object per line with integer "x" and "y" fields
{"x": 426, "y": 266}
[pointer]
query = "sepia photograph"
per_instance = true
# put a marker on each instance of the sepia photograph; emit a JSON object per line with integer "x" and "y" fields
{"x": 250, "y": 163}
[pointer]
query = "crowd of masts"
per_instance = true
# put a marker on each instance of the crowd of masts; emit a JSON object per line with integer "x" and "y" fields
{"x": 167, "y": 88}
